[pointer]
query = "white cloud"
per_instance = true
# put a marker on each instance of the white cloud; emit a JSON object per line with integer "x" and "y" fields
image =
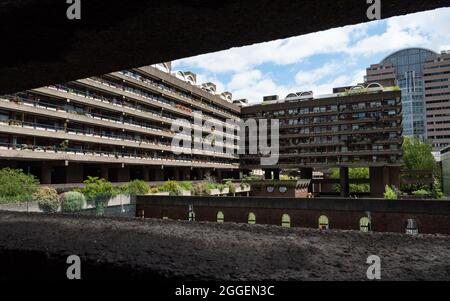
{"x": 353, "y": 43}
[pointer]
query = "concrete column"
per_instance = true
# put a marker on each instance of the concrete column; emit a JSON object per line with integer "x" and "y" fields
{"x": 145, "y": 174}
{"x": 159, "y": 174}
{"x": 394, "y": 176}
{"x": 268, "y": 174}
{"x": 219, "y": 174}
{"x": 345, "y": 183}
{"x": 379, "y": 178}
{"x": 46, "y": 173}
{"x": 74, "y": 173}
{"x": 105, "y": 172}
{"x": 276, "y": 174}
{"x": 307, "y": 174}
{"x": 124, "y": 174}
{"x": 200, "y": 174}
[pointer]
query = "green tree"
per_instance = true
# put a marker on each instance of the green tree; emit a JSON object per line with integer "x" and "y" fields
{"x": 16, "y": 186}
{"x": 98, "y": 191}
{"x": 417, "y": 155}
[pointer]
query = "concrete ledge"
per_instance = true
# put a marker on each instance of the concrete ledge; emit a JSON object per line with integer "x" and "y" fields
{"x": 36, "y": 246}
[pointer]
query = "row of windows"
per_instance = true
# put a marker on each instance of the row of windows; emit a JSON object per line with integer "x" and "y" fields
{"x": 365, "y": 225}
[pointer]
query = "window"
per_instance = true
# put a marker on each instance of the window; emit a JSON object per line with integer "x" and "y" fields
{"x": 220, "y": 217}
{"x": 323, "y": 223}
{"x": 251, "y": 218}
{"x": 411, "y": 227}
{"x": 364, "y": 224}
{"x": 286, "y": 221}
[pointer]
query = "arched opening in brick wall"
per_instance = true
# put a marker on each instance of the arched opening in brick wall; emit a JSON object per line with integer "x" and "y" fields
{"x": 286, "y": 221}
{"x": 220, "y": 217}
{"x": 251, "y": 218}
{"x": 365, "y": 224}
{"x": 412, "y": 228}
{"x": 191, "y": 216}
{"x": 324, "y": 223}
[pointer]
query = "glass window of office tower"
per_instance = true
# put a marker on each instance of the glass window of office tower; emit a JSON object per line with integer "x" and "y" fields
{"x": 408, "y": 64}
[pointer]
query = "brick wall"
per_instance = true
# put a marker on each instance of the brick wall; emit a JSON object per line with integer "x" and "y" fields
{"x": 431, "y": 216}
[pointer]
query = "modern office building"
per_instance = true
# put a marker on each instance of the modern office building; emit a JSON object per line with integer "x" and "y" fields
{"x": 437, "y": 96}
{"x": 117, "y": 126}
{"x": 354, "y": 127}
{"x": 445, "y": 165}
{"x": 424, "y": 78}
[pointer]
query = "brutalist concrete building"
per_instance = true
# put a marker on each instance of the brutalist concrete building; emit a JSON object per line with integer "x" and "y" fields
{"x": 354, "y": 127}
{"x": 117, "y": 126}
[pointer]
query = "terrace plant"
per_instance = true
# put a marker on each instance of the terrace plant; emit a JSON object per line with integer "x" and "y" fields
{"x": 390, "y": 194}
{"x": 98, "y": 191}
{"x": 16, "y": 186}
{"x": 231, "y": 186}
{"x": 48, "y": 199}
{"x": 172, "y": 187}
{"x": 72, "y": 201}
{"x": 136, "y": 187}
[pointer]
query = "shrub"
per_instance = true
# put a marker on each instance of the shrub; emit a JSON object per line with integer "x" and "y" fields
{"x": 72, "y": 201}
{"x": 390, "y": 194}
{"x": 231, "y": 186}
{"x": 16, "y": 186}
{"x": 198, "y": 189}
{"x": 422, "y": 193}
{"x": 170, "y": 186}
{"x": 98, "y": 191}
{"x": 136, "y": 187}
{"x": 186, "y": 186}
{"x": 48, "y": 199}
{"x": 154, "y": 190}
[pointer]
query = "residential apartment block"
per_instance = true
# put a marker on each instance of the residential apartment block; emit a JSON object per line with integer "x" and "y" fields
{"x": 354, "y": 127}
{"x": 118, "y": 126}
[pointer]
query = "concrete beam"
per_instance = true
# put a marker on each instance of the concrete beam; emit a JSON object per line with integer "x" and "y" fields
{"x": 44, "y": 47}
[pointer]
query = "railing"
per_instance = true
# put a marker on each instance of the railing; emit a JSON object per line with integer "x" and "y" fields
{"x": 54, "y": 128}
{"x": 117, "y": 155}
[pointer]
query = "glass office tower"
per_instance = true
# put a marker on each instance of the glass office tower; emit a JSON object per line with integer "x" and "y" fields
{"x": 408, "y": 65}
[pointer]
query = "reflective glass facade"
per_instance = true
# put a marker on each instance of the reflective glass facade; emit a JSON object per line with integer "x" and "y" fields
{"x": 408, "y": 64}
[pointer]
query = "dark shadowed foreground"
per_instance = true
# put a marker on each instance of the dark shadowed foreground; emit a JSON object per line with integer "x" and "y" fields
{"x": 37, "y": 246}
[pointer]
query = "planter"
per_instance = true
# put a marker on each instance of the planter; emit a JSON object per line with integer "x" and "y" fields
{"x": 185, "y": 193}
{"x": 160, "y": 193}
{"x": 218, "y": 192}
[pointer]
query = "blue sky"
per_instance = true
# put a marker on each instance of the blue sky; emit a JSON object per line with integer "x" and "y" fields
{"x": 317, "y": 61}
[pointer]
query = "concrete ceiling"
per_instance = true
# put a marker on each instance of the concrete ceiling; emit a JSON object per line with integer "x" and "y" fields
{"x": 41, "y": 46}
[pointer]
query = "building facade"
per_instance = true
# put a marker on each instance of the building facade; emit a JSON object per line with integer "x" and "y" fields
{"x": 354, "y": 127}
{"x": 118, "y": 126}
{"x": 424, "y": 78}
{"x": 445, "y": 165}
{"x": 437, "y": 96}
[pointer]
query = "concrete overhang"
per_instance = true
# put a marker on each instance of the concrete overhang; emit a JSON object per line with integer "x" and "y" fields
{"x": 41, "y": 46}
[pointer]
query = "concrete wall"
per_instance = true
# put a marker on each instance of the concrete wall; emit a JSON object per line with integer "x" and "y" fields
{"x": 446, "y": 173}
{"x": 386, "y": 215}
